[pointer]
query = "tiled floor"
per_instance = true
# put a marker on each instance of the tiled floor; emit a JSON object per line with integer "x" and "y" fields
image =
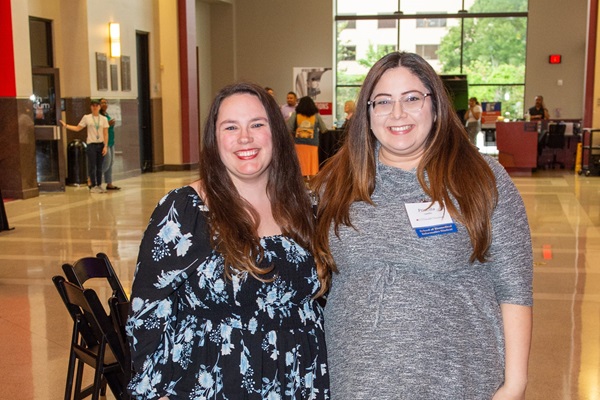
{"x": 563, "y": 210}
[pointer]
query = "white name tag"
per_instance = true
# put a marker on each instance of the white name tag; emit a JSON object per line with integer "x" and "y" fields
{"x": 429, "y": 219}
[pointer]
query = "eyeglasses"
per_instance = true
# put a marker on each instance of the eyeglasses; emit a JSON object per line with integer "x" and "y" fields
{"x": 410, "y": 102}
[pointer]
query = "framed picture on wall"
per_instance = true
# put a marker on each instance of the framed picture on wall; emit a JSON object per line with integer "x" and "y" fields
{"x": 125, "y": 73}
{"x": 114, "y": 77}
{"x": 101, "y": 71}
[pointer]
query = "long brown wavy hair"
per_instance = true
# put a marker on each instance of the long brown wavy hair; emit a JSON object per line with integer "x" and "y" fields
{"x": 233, "y": 221}
{"x": 455, "y": 170}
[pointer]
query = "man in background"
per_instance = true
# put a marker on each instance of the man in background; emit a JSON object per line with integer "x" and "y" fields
{"x": 539, "y": 111}
{"x": 290, "y": 106}
{"x": 109, "y": 158}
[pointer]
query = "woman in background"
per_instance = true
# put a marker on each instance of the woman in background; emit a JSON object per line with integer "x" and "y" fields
{"x": 349, "y": 109}
{"x": 306, "y": 126}
{"x": 473, "y": 119}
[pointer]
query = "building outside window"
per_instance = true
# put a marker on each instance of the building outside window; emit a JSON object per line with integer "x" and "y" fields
{"x": 466, "y": 37}
{"x": 427, "y": 51}
{"x": 348, "y": 53}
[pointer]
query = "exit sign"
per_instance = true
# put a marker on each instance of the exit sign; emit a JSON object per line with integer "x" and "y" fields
{"x": 555, "y": 58}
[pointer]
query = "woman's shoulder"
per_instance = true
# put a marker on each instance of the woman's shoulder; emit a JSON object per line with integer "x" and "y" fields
{"x": 185, "y": 195}
{"x": 502, "y": 177}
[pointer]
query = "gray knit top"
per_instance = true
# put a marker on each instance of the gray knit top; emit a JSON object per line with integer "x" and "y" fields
{"x": 411, "y": 318}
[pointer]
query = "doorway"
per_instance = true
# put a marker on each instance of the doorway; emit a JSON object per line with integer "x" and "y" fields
{"x": 49, "y": 140}
{"x": 144, "y": 105}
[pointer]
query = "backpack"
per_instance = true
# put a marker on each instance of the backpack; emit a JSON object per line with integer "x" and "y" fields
{"x": 304, "y": 127}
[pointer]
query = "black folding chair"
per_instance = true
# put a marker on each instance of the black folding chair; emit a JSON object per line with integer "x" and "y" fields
{"x": 119, "y": 312}
{"x": 94, "y": 342}
{"x": 98, "y": 267}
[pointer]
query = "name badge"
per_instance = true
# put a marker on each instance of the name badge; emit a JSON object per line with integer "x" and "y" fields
{"x": 428, "y": 219}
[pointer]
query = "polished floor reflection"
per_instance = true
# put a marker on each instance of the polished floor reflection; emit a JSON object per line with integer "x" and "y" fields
{"x": 563, "y": 210}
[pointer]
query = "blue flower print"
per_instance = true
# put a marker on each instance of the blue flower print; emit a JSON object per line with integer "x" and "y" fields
{"x": 275, "y": 299}
{"x": 226, "y": 345}
{"x": 294, "y": 253}
{"x": 191, "y": 329}
{"x": 209, "y": 384}
{"x": 183, "y": 244}
{"x": 170, "y": 232}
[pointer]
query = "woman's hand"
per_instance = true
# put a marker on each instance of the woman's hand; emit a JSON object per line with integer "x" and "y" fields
{"x": 508, "y": 393}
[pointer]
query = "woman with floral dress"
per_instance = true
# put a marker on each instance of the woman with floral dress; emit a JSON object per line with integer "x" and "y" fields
{"x": 224, "y": 295}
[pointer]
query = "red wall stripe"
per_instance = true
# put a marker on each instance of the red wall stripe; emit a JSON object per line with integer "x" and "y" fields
{"x": 188, "y": 81}
{"x": 8, "y": 84}
{"x": 588, "y": 106}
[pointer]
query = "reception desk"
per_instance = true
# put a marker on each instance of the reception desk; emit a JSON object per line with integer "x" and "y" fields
{"x": 517, "y": 144}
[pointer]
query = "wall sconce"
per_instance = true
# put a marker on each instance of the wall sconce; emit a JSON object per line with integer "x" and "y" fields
{"x": 114, "y": 35}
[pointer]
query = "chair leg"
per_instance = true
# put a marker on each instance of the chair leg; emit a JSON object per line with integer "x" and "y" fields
{"x": 70, "y": 373}
{"x": 78, "y": 380}
{"x": 103, "y": 387}
{"x": 99, "y": 381}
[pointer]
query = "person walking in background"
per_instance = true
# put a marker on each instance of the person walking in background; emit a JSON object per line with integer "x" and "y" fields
{"x": 539, "y": 111}
{"x": 97, "y": 143}
{"x": 224, "y": 294}
{"x": 109, "y": 158}
{"x": 290, "y": 106}
{"x": 306, "y": 125}
{"x": 431, "y": 240}
{"x": 473, "y": 119}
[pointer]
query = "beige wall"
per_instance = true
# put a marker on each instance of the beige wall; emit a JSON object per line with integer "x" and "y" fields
{"x": 20, "y": 20}
{"x": 274, "y": 36}
{"x": 169, "y": 68}
{"x": 557, "y": 27}
{"x": 133, "y": 16}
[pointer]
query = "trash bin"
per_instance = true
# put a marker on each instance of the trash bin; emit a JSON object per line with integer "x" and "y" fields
{"x": 77, "y": 162}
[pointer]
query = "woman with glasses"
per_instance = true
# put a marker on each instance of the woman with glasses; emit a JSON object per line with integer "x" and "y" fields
{"x": 431, "y": 245}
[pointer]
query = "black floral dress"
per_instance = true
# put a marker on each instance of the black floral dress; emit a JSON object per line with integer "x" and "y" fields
{"x": 195, "y": 335}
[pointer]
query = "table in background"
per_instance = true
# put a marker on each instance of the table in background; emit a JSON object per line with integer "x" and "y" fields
{"x": 517, "y": 144}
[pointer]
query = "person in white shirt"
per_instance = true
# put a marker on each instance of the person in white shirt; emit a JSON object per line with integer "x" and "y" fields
{"x": 97, "y": 143}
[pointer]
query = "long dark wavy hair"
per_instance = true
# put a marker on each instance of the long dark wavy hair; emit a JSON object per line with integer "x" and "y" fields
{"x": 233, "y": 221}
{"x": 455, "y": 170}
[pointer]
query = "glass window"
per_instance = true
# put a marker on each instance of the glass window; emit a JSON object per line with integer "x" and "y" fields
{"x": 504, "y": 6}
{"x": 489, "y": 50}
{"x": 361, "y": 7}
{"x": 427, "y": 51}
{"x": 431, "y": 23}
{"x": 385, "y": 48}
{"x": 386, "y": 23}
{"x": 348, "y": 53}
